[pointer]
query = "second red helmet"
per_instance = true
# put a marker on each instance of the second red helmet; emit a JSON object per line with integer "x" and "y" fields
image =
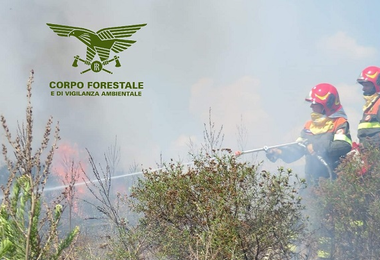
{"x": 370, "y": 74}
{"x": 326, "y": 95}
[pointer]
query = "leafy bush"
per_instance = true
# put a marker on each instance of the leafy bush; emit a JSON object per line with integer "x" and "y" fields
{"x": 220, "y": 208}
{"x": 349, "y": 208}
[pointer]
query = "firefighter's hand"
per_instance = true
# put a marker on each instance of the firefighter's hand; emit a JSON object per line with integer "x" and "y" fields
{"x": 302, "y": 142}
{"x": 273, "y": 154}
{"x": 238, "y": 153}
{"x": 310, "y": 149}
{"x": 308, "y": 146}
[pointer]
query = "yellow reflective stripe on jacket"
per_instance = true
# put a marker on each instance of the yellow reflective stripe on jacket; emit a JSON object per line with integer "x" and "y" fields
{"x": 342, "y": 137}
{"x": 367, "y": 125}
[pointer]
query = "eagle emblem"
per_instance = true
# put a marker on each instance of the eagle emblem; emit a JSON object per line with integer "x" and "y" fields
{"x": 101, "y": 43}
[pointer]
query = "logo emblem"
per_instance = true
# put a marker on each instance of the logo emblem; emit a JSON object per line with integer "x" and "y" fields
{"x": 101, "y": 43}
{"x": 322, "y": 97}
{"x": 367, "y": 118}
{"x": 373, "y": 75}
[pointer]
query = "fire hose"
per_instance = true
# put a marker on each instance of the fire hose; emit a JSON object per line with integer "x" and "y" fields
{"x": 267, "y": 148}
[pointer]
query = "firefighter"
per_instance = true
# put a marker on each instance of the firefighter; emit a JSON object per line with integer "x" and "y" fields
{"x": 369, "y": 125}
{"x": 324, "y": 140}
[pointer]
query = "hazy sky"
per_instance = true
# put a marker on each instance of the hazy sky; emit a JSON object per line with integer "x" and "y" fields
{"x": 253, "y": 61}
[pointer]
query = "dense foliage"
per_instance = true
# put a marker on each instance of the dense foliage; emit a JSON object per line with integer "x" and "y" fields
{"x": 348, "y": 209}
{"x": 220, "y": 208}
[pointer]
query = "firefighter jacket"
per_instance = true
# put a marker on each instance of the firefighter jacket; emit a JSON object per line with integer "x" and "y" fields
{"x": 369, "y": 125}
{"x": 329, "y": 147}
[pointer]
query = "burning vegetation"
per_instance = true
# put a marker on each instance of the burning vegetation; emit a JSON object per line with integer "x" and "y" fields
{"x": 216, "y": 208}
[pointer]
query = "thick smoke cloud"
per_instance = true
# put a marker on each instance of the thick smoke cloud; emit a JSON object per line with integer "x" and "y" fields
{"x": 243, "y": 59}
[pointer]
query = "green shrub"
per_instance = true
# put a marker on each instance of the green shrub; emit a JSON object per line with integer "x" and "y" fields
{"x": 220, "y": 208}
{"x": 348, "y": 209}
{"x": 28, "y": 224}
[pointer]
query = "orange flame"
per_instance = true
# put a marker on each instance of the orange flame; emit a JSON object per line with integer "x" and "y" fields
{"x": 68, "y": 167}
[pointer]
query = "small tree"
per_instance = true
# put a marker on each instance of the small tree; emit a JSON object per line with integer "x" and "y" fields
{"x": 220, "y": 209}
{"x": 127, "y": 242}
{"x": 28, "y": 224}
{"x": 71, "y": 176}
{"x": 242, "y": 134}
{"x": 213, "y": 138}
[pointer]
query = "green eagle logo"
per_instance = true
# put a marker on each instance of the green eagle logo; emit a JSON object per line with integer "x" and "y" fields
{"x": 101, "y": 42}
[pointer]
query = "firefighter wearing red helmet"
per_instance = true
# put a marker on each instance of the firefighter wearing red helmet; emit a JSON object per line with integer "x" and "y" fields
{"x": 369, "y": 125}
{"x": 324, "y": 140}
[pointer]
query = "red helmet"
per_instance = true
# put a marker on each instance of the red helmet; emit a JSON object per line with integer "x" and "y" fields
{"x": 326, "y": 95}
{"x": 371, "y": 74}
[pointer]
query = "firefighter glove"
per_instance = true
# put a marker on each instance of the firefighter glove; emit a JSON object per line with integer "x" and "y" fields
{"x": 273, "y": 154}
{"x": 308, "y": 146}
